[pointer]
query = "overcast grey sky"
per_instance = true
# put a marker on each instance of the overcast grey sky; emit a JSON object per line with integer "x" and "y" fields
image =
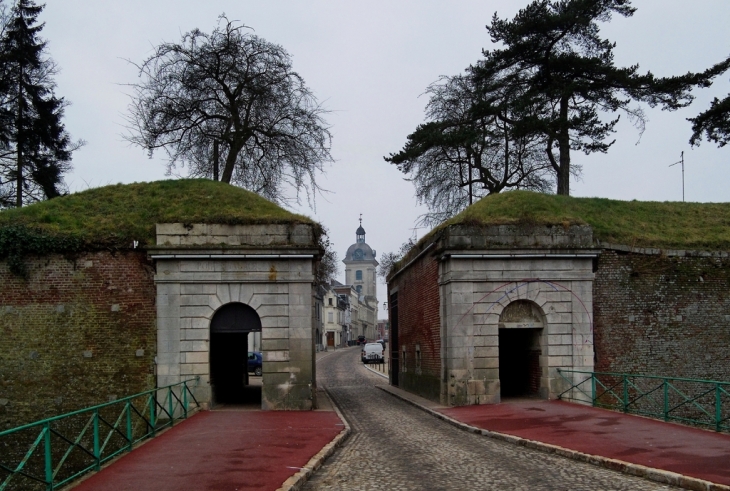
{"x": 369, "y": 62}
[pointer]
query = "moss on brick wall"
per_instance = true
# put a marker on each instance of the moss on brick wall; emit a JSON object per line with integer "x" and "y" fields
{"x": 661, "y": 315}
{"x": 424, "y": 385}
{"x": 75, "y": 333}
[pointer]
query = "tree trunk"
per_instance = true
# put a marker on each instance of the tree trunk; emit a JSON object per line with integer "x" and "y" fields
{"x": 230, "y": 162}
{"x": 564, "y": 147}
{"x": 19, "y": 143}
{"x": 468, "y": 177}
{"x": 215, "y": 160}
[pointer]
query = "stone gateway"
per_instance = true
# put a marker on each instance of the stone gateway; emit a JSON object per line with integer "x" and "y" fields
{"x": 217, "y": 283}
{"x": 508, "y": 317}
{"x": 115, "y": 290}
{"x": 482, "y": 310}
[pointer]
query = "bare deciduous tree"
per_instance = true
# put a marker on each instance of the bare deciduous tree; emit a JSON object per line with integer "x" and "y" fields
{"x": 389, "y": 259}
{"x": 459, "y": 156}
{"x": 236, "y": 91}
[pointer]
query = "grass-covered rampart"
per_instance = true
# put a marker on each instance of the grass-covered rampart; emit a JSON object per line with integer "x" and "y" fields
{"x": 662, "y": 225}
{"x": 113, "y": 217}
{"x": 641, "y": 224}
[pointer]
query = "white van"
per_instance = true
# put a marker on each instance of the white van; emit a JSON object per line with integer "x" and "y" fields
{"x": 372, "y": 353}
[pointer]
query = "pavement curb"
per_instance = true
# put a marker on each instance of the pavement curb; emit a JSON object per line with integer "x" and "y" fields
{"x": 652, "y": 474}
{"x": 385, "y": 376}
{"x": 295, "y": 482}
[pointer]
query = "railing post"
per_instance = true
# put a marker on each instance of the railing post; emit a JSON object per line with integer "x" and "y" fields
{"x": 626, "y": 393}
{"x": 153, "y": 402}
{"x": 48, "y": 464}
{"x": 185, "y": 399}
{"x": 593, "y": 389}
{"x": 169, "y": 404}
{"x": 718, "y": 407}
{"x": 130, "y": 436}
{"x": 666, "y": 400}
{"x": 97, "y": 452}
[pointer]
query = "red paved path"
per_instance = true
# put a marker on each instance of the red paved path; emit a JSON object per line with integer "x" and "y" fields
{"x": 222, "y": 450}
{"x": 689, "y": 451}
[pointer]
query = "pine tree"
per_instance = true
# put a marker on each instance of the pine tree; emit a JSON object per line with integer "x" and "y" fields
{"x": 714, "y": 123}
{"x": 565, "y": 77}
{"x": 36, "y": 149}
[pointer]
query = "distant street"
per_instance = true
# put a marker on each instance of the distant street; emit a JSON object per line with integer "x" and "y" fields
{"x": 396, "y": 446}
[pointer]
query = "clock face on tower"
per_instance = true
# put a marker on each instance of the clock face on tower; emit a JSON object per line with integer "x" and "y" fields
{"x": 357, "y": 255}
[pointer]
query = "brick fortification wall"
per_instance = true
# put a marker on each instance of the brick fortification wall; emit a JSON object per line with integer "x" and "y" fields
{"x": 420, "y": 324}
{"x": 75, "y": 333}
{"x": 662, "y": 315}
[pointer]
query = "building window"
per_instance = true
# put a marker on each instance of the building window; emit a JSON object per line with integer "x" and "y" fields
{"x": 329, "y": 317}
{"x": 330, "y": 301}
{"x": 359, "y": 289}
{"x": 403, "y": 360}
{"x": 358, "y": 275}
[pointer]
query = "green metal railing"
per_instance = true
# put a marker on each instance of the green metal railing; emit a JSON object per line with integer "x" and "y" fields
{"x": 48, "y": 454}
{"x": 692, "y": 401}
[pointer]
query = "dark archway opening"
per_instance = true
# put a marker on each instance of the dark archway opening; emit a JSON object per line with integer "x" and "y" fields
{"x": 519, "y": 362}
{"x": 229, "y": 355}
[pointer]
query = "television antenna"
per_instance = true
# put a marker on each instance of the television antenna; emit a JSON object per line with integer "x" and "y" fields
{"x": 681, "y": 161}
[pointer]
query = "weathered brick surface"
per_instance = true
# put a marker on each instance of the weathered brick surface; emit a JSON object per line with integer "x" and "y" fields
{"x": 77, "y": 332}
{"x": 662, "y": 315}
{"x": 420, "y": 324}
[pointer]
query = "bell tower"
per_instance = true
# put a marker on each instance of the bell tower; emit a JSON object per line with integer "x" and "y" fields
{"x": 360, "y": 266}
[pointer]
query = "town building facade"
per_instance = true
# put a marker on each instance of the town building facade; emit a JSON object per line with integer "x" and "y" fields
{"x": 335, "y": 325}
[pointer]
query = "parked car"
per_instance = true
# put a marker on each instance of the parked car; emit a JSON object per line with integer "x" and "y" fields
{"x": 381, "y": 341}
{"x": 360, "y": 340}
{"x": 372, "y": 353}
{"x": 255, "y": 362}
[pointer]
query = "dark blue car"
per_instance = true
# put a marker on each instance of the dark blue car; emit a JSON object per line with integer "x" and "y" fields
{"x": 255, "y": 362}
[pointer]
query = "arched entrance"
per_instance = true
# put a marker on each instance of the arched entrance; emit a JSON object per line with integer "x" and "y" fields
{"x": 229, "y": 330}
{"x": 520, "y": 346}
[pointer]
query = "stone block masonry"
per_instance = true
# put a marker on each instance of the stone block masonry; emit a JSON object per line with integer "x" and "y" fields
{"x": 77, "y": 332}
{"x": 270, "y": 268}
{"x": 560, "y": 290}
{"x": 450, "y": 304}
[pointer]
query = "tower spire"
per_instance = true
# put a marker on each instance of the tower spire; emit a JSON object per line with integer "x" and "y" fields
{"x": 360, "y": 233}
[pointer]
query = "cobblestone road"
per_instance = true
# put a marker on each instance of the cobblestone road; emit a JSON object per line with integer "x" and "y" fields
{"x": 394, "y": 446}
